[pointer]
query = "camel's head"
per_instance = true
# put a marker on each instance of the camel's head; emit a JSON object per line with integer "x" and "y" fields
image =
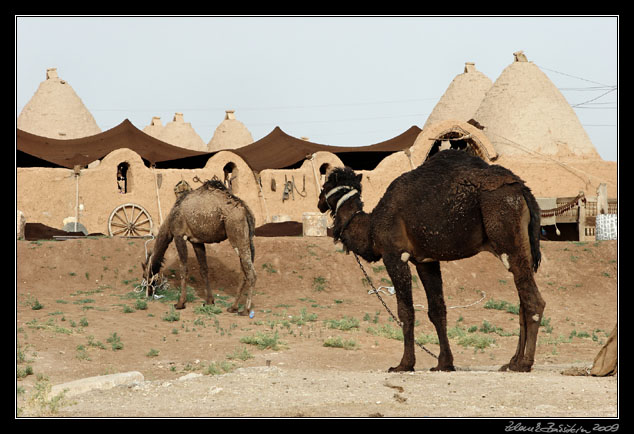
{"x": 330, "y": 193}
{"x": 151, "y": 277}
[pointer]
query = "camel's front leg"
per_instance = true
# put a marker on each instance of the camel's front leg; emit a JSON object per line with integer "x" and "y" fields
{"x": 429, "y": 273}
{"x": 402, "y": 279}
{"x": 181, "y": 248}
{"x": 199, "y": 248}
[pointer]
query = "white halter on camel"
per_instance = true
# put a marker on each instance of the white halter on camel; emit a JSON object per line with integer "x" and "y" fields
{"x": 343, "y": 198}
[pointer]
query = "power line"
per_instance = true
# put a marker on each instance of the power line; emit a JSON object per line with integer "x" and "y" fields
{"x": 574, "y": 76}
{"x": 595, "y": 98}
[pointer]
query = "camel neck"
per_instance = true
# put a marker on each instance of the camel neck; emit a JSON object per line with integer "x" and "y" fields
{"x": 352, "y": 228}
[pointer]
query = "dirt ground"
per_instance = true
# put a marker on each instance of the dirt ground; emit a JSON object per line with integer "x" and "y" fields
{"x": 325, "y": 343}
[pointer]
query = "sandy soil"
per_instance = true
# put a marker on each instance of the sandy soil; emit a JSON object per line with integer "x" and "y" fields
{"x": 73, "y": 296}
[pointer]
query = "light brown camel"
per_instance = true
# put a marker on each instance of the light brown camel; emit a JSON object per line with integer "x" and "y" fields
{"x": 451, "y": 207}
{"x": 209, "y": 214}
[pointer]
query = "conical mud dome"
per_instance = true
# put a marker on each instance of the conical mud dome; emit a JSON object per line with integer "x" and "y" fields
{"x": 230, "y": 134}
{"x": 462, "y": 98}
{"x": 181, "y": 133}
{"x": 155, "y": 127}
{"x": 524, "y": 112}
{"x": 56, "y": 111}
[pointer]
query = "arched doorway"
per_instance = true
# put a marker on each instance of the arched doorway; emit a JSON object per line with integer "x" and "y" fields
{"x": 452, "y": 134}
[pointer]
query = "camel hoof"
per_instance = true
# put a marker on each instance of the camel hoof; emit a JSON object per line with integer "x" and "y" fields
{"x": 179, "y": 307}
{"x": 516, "y": 367}
{"x": 232, "y": 309}
{"x": 400, "y": 368}
{"x": 243, "y": 313}
{"x": 449, "y": 368}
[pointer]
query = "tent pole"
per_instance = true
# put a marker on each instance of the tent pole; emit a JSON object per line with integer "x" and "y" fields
{"x": 77, "y": 170}
{"x": 158, "y": 198}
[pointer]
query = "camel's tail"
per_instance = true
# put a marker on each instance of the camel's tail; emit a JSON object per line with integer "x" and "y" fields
{"x": 534, "y": 226}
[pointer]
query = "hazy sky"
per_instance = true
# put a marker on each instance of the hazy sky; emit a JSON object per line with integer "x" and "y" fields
{"x": 342, "y": 81}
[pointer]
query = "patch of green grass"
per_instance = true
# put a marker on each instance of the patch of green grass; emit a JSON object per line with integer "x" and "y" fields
{"x": 152, "y": 353}
{"x": 115, "y": 341}
{"x": 368, "y": 318}
{"x": 23, "y": 372}
{"x": 172, "y": 315}
{"x": 171, "y": 295}
{"x": 216, "y": 368}
{"x": 36, "y": 305}
{"x": 82, "y": 353}
{"x": 269, "y": 268}
{"x": 580, "y": 334}
{"x": 502, "y": 305}
{"x": 424, "y": 339}
{"x": 241, "y": 353}
{"x": 345, "y": 323}
{"x": 477, "y": 341}
{"x": 304, "y": 317}
{"x": 84, "y": 301}
{"x": 140, "y": 304}
{"x": 387, "y": 331}
{"x": 320, "y": 283}
{"x": 263, "y": 340}
{"x": 545, "y": 322}
{"x": 207, "y": 310}
{"x": 337, "y": 342}
{"x": 48, "y": 325}
{"x": 468, "y": 338}
{"x": 42, "y": 400}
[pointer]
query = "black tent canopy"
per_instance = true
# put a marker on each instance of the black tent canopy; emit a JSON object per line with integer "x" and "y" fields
{"x": 277, "y": 150}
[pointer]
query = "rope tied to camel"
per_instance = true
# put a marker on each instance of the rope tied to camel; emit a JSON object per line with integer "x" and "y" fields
{"x": 394, "y": 317}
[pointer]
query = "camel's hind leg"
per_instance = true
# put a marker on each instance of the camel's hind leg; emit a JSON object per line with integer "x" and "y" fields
{"x": 429, "y": 274}
{"x": 248, "y": 270}
{"x": 531, "y": 313}
{"x": 506, "y": 218}
{"x": 181, "y": 248}
{"x": 199, "y": 249}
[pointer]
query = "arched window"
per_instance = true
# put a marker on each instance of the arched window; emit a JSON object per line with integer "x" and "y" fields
{"x": 323, "y": 169}
{"x": 458, "y": 141}
{"x": 230, "y": 174}
{"x": 124, "y": 179}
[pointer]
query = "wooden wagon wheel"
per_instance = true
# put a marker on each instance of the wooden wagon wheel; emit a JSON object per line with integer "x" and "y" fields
{"x": 130, "y": 220}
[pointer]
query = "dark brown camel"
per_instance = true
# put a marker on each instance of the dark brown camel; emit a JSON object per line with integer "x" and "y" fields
{"x": 209, "y": 214}
{"x": 451, "y": 207}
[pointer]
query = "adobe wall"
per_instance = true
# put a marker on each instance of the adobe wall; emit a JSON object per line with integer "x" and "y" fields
{"x": 48, "y": 195}
{"x": 375, "y": 182}
{"x": 307, "y": 179}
